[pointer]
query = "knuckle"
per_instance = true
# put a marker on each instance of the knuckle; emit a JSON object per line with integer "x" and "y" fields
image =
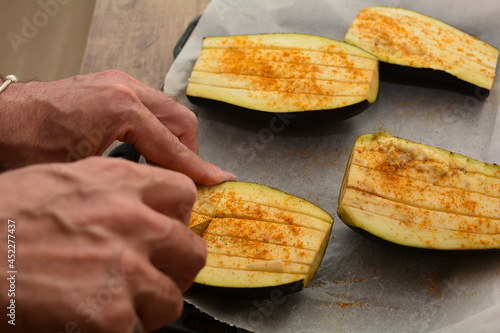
{"x": 188, "y": 189}
{"x": 184, "y": 186}
{"x": 115, "y": 74}
{"x": 132, "y": 265}
{"x": 116, "y": 94}
{"x": 191, "y": 120}
{"x": 121, "y": 93}
{"x": 188, "y": 119}
{"x": 178, "y": 151}
{"x": 111, "y": 170}
{"x": 125, "y": 170}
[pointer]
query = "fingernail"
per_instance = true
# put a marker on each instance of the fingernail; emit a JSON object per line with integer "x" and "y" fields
{"x": 230, "y": 176}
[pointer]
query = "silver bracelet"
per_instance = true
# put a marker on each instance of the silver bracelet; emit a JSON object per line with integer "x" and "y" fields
{"x": 8, "y": 80}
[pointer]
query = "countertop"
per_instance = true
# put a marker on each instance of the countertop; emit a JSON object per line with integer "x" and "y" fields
{"x": 137, "y": 37}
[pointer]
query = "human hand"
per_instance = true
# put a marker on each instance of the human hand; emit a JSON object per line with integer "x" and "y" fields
{"x": 100, "y": 244}
{"x": 70, "y": 119}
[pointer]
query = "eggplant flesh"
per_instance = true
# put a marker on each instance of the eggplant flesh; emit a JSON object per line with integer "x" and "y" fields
{"x": 258, "y": 238}
{"x": 283, "y": 73}
{"x": 409, "y": 39}
{"x": 420, "y": 196}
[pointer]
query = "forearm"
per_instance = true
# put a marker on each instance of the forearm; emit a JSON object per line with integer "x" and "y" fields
{"x": 21, "y": 120}
{"x": 10, "y": 123}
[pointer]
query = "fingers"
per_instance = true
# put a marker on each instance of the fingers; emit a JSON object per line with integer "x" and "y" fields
{"x": 169, "y": 193}
{"x": 180, "y": 254}
{"x": 149, "y": 203}
{"x": 180, "y": 121}
{"x": 159, "y": 306}
{"x": 157, "y": 300}
{"x": 145, "y": 298}
{"x": 113, "y": 225}
{"x": 158, "y": 144}
{"x": 160, "y": 257}
{"x": 163, "y": 131}
{"x": 157, "y": 289}
{"x": 113, "y": 180}
{"x": 170, "y": 246}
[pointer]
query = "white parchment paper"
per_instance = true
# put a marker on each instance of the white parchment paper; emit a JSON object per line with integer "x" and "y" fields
{"x": 361, "y": 286}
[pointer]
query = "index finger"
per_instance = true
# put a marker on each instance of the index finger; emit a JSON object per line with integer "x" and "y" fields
{"x": 179, "y": 120}
{"x": 180, "y": 254}
{"x": 159, "y": 145}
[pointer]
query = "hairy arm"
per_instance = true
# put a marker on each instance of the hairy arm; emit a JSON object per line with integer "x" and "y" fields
{"x": 74, "y": 118}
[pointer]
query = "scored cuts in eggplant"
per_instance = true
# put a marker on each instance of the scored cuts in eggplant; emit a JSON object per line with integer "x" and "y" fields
{"x": 283, "y": 73}
{"x": 420, "y": 196}
{"x": 258, "y": 237}
{"x": 410, "y": 43}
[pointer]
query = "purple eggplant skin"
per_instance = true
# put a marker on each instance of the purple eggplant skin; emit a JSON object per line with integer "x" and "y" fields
{"x": 432, "y": 78}
{"x": 248, "y": 293}
{"x": 293, "y": 119}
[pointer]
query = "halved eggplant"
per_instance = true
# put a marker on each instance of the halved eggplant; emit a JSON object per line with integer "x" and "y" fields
{"x": 258, "y": 238}
{"x": 283, "y": 73}
{"x": 411, "y": 43}
{"x": 420, "y": 196}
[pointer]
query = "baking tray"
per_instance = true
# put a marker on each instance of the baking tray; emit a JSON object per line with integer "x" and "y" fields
{"x": 361, "y": 286}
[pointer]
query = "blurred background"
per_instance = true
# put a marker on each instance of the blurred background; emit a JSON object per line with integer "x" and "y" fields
{"x": 43, "y": 39}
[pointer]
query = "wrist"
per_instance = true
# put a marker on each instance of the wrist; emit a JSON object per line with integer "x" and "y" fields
{"x": 16, "y": 110}
{"x": 7, "y": 81}
{"x": 9, "y": 94}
